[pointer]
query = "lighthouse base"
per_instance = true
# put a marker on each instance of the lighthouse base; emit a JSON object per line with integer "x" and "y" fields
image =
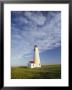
{"x": 37, "y": 65}
{"x": 32, "y": 65}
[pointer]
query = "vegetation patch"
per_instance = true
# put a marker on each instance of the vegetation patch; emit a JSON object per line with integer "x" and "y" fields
{"x": 45, "y": 72}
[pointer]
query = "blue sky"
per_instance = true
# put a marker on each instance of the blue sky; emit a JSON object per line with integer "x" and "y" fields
{"x": 41, "y": 28}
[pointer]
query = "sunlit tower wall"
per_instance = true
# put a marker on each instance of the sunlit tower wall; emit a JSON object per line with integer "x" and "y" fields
{"x": 37, "y": 62}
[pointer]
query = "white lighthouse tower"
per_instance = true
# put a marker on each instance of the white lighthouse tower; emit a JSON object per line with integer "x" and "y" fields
{"x": 36, "y": 62}
{"x": 36, "y": 57}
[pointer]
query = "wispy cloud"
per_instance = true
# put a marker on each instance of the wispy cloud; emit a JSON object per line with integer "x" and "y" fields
{"x": 30, "y": 28}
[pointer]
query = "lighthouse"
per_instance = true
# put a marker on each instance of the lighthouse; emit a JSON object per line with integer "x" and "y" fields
{"x": 36, "y": 62}
{"x": 36, "y": 57}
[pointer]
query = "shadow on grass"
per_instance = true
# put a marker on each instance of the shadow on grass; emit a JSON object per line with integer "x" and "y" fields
{"x": 47, "y": 75}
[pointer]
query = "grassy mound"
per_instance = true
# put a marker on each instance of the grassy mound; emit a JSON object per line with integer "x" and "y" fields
{"x": 45, "y": 72}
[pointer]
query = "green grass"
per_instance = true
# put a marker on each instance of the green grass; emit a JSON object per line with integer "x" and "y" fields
{"x": 45, "y": 72}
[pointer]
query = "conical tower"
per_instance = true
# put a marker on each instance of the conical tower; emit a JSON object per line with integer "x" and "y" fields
{"x": 36, "y": 57}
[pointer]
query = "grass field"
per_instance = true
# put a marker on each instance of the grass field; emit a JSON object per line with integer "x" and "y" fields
{"x": 45, "y": 72}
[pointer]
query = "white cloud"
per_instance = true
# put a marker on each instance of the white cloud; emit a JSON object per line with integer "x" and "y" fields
{"x": 38, "y": 18}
